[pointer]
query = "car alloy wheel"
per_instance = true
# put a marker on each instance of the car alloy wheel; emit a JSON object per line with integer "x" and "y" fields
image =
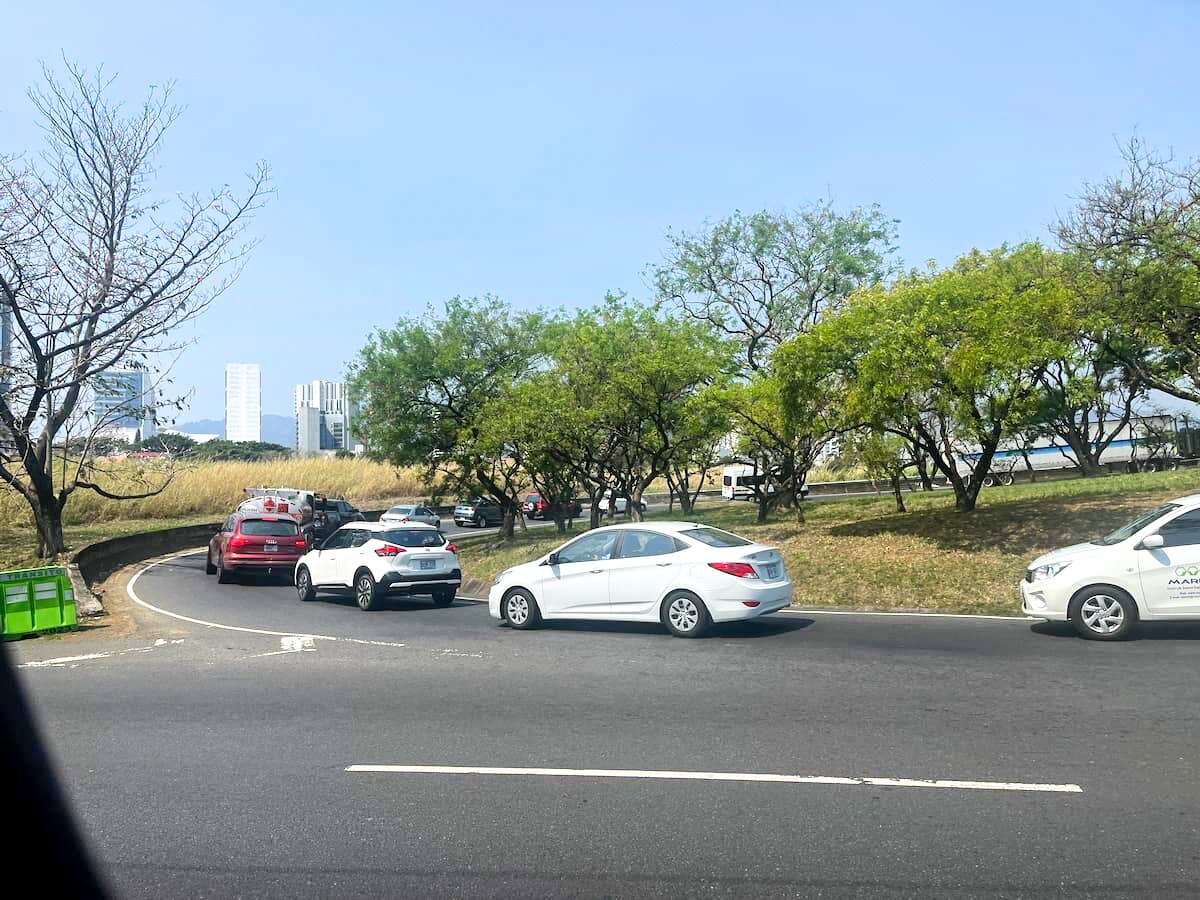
{"x": 521, "y": 610}
{"x": 1104, "y": 614}
{"x": 686, "y": 616}
{"x": 304, "y": 584}
{"x": 364, "y": 591}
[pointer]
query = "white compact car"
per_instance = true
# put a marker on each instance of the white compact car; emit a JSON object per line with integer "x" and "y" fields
{"x": 1149, "y": 569}
{"x": 373, "y": 559}
{"x": 410, "y": 512}
{"x": 681, "y": 574}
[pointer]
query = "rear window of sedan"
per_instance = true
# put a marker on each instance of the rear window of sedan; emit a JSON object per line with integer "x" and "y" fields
{"x": 715, "y": 537}
{"x": 402, "y": 510}
{"x": 412, "y": 537}
{"x": 270, "y": 528}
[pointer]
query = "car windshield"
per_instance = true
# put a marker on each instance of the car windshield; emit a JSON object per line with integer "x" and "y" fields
{"x": 715, "y": 537}
{"x": 413, "y": 537}
{"x": 402, "y": 510}
{"x": 1129, "y": 529}
{"x": 270, "y": 528}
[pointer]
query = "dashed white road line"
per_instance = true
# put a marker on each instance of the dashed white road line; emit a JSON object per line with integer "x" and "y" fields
{"x": 950, "y": 784}
{"x": 60, "y": 662}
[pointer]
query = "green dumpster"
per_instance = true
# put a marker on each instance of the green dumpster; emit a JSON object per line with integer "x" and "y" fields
{"x": 35, "y": 600}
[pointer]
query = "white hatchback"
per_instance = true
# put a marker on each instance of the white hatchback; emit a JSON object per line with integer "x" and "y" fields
{"x": 373, "y": 559}
{"x": 1149, "y": 569}
{"x": 681, "y": 574}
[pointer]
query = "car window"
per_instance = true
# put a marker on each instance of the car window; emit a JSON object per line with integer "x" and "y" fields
{"x": 339, "y": 540}
{"x": 424, "y": 511}
{"x": 646, "y": 543}
{"x": 1182, "y": 531}
{"x": 228, "y": 526}
{"x": 413, "y": 537}
{"x": 1129, "y": 529}
{"x": 715, "y": 537}
{"x": 358, "y": 537}
{"x": 589, "y": 548}
{"x": 277, "y": 528}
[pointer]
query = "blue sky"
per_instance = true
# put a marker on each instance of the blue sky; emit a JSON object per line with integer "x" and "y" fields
{"x": 541, "y": 151}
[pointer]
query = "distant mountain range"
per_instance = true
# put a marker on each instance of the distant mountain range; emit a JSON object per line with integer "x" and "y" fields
{"x": 275, "y": 429}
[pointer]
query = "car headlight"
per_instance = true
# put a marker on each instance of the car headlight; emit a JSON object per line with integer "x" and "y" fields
{"x": 499, "y": 578}
{"x": 1041, "y": 573}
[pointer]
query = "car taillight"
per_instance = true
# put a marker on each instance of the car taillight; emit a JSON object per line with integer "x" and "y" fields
{"x": 237, "y": 541}
{"x": 388, "y": 550}
{"x": 453, "y": 548}
{"x": 301, "y": 543}
{"x": 737, "y": 569}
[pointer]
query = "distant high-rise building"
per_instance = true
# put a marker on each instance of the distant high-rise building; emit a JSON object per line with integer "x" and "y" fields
{"x": 323, "y": 417}
{"x": 123, "y": 405}
{"x": 243, "y": 402}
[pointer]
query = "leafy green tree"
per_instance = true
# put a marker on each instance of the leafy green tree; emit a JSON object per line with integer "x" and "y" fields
{"x": 761, "y": 279}
{"x": 1140, "y": 232}
{"x": 167, "y": 442}
{"x": 950, "y": 360}
{"x": 426, "y": 383}
{"x": 884, "y": 456}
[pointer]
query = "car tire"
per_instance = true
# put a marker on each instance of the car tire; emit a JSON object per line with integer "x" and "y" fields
{"x": 521, "y": 610}
{"x": 304, "y": 585}
{"x": 444, "y": 597}
{"x": 366, "y": 591}
{"x": 685, "y": 615}
{"x": 478, "y": 522}
{"x": 1007, "y": 479}
{"x": 224, "y": 575}
{"x": 1103, "y": 613}
{"x": 209, "y": 568}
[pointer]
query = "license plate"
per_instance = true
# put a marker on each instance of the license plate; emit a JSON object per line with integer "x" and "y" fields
{"x": 773, "y": 570}
{"x": 270, "y": 547}
{"x": 428, "y": 563}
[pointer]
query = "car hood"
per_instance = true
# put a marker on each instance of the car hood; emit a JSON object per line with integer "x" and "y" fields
{"x": 1075, "y": 551}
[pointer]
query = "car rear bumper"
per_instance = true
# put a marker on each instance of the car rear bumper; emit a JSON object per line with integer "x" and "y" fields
{"x": 401, "y": 582}
{"x": 731, "y": 605}
{"x": 279, "y": 561}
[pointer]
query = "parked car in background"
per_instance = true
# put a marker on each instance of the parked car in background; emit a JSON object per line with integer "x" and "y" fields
{"x": 622, "y": 503}
{"x": 478, "y": 512}
{"x": 411, "y": 512}
{"x": 538, "y": 507}
{"x": 681, "y": 574}
{"x": 255, "y": 542}
{"x": 1149, "y": 569}
{"x": 373, "y": 559}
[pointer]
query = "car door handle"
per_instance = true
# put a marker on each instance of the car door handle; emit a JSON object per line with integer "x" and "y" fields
{"x": 662, "y": 565}
{"x": 595, "y": 571}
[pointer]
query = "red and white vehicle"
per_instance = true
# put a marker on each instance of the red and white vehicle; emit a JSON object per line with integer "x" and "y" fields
{"x": 255, "y": 542}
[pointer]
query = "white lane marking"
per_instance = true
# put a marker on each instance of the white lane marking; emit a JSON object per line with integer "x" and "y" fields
{"x": 719, "y": 776}
{"x": 919, "y": 615}
{"x": 300, "y": 643}
{"x": 854, "y": 612}
{"x": 63, "y": 661}
{"x": 133, "y": 595}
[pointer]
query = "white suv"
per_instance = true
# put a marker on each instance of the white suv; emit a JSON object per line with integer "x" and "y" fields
{"x": 377, "y": 558}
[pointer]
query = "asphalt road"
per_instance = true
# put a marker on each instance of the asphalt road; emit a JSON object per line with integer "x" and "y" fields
{"x": 214, "y": 763}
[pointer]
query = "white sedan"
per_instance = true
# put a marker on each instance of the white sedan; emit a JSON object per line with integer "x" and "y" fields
{"x": 681, "y": 574}
{"x": 1149, "y": 569}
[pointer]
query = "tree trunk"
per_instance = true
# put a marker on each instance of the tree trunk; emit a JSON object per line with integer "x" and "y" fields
{"x": 506, "y": 527}
{"x": 594, "y": 509}
{"x": 896, "y": 490}
{"x": 634, "y": 505}
{"x": 1029, "y": 466}
{"x": 764, "y": 507}
{"x": 922, "y": 462}
{"x": 48, "y": 518}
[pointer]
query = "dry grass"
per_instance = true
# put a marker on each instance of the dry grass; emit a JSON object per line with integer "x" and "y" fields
{"x": 862, "y": 554}
{"x": 215, "y": 488}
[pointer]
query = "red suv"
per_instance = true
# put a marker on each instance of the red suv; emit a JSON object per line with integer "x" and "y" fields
{"x": 254, "y": 543}
{"x": 538, "y": 507}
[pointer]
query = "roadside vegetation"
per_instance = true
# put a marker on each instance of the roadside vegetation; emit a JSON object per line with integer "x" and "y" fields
{"x": 862, "y": 554}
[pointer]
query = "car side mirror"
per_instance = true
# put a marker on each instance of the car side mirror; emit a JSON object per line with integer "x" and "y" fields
{"x": 1151, "y": 542}
{"x": 552, "y": 559}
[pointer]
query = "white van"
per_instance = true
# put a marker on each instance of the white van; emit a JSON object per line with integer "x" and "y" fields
{"x": 739, "y": 481}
